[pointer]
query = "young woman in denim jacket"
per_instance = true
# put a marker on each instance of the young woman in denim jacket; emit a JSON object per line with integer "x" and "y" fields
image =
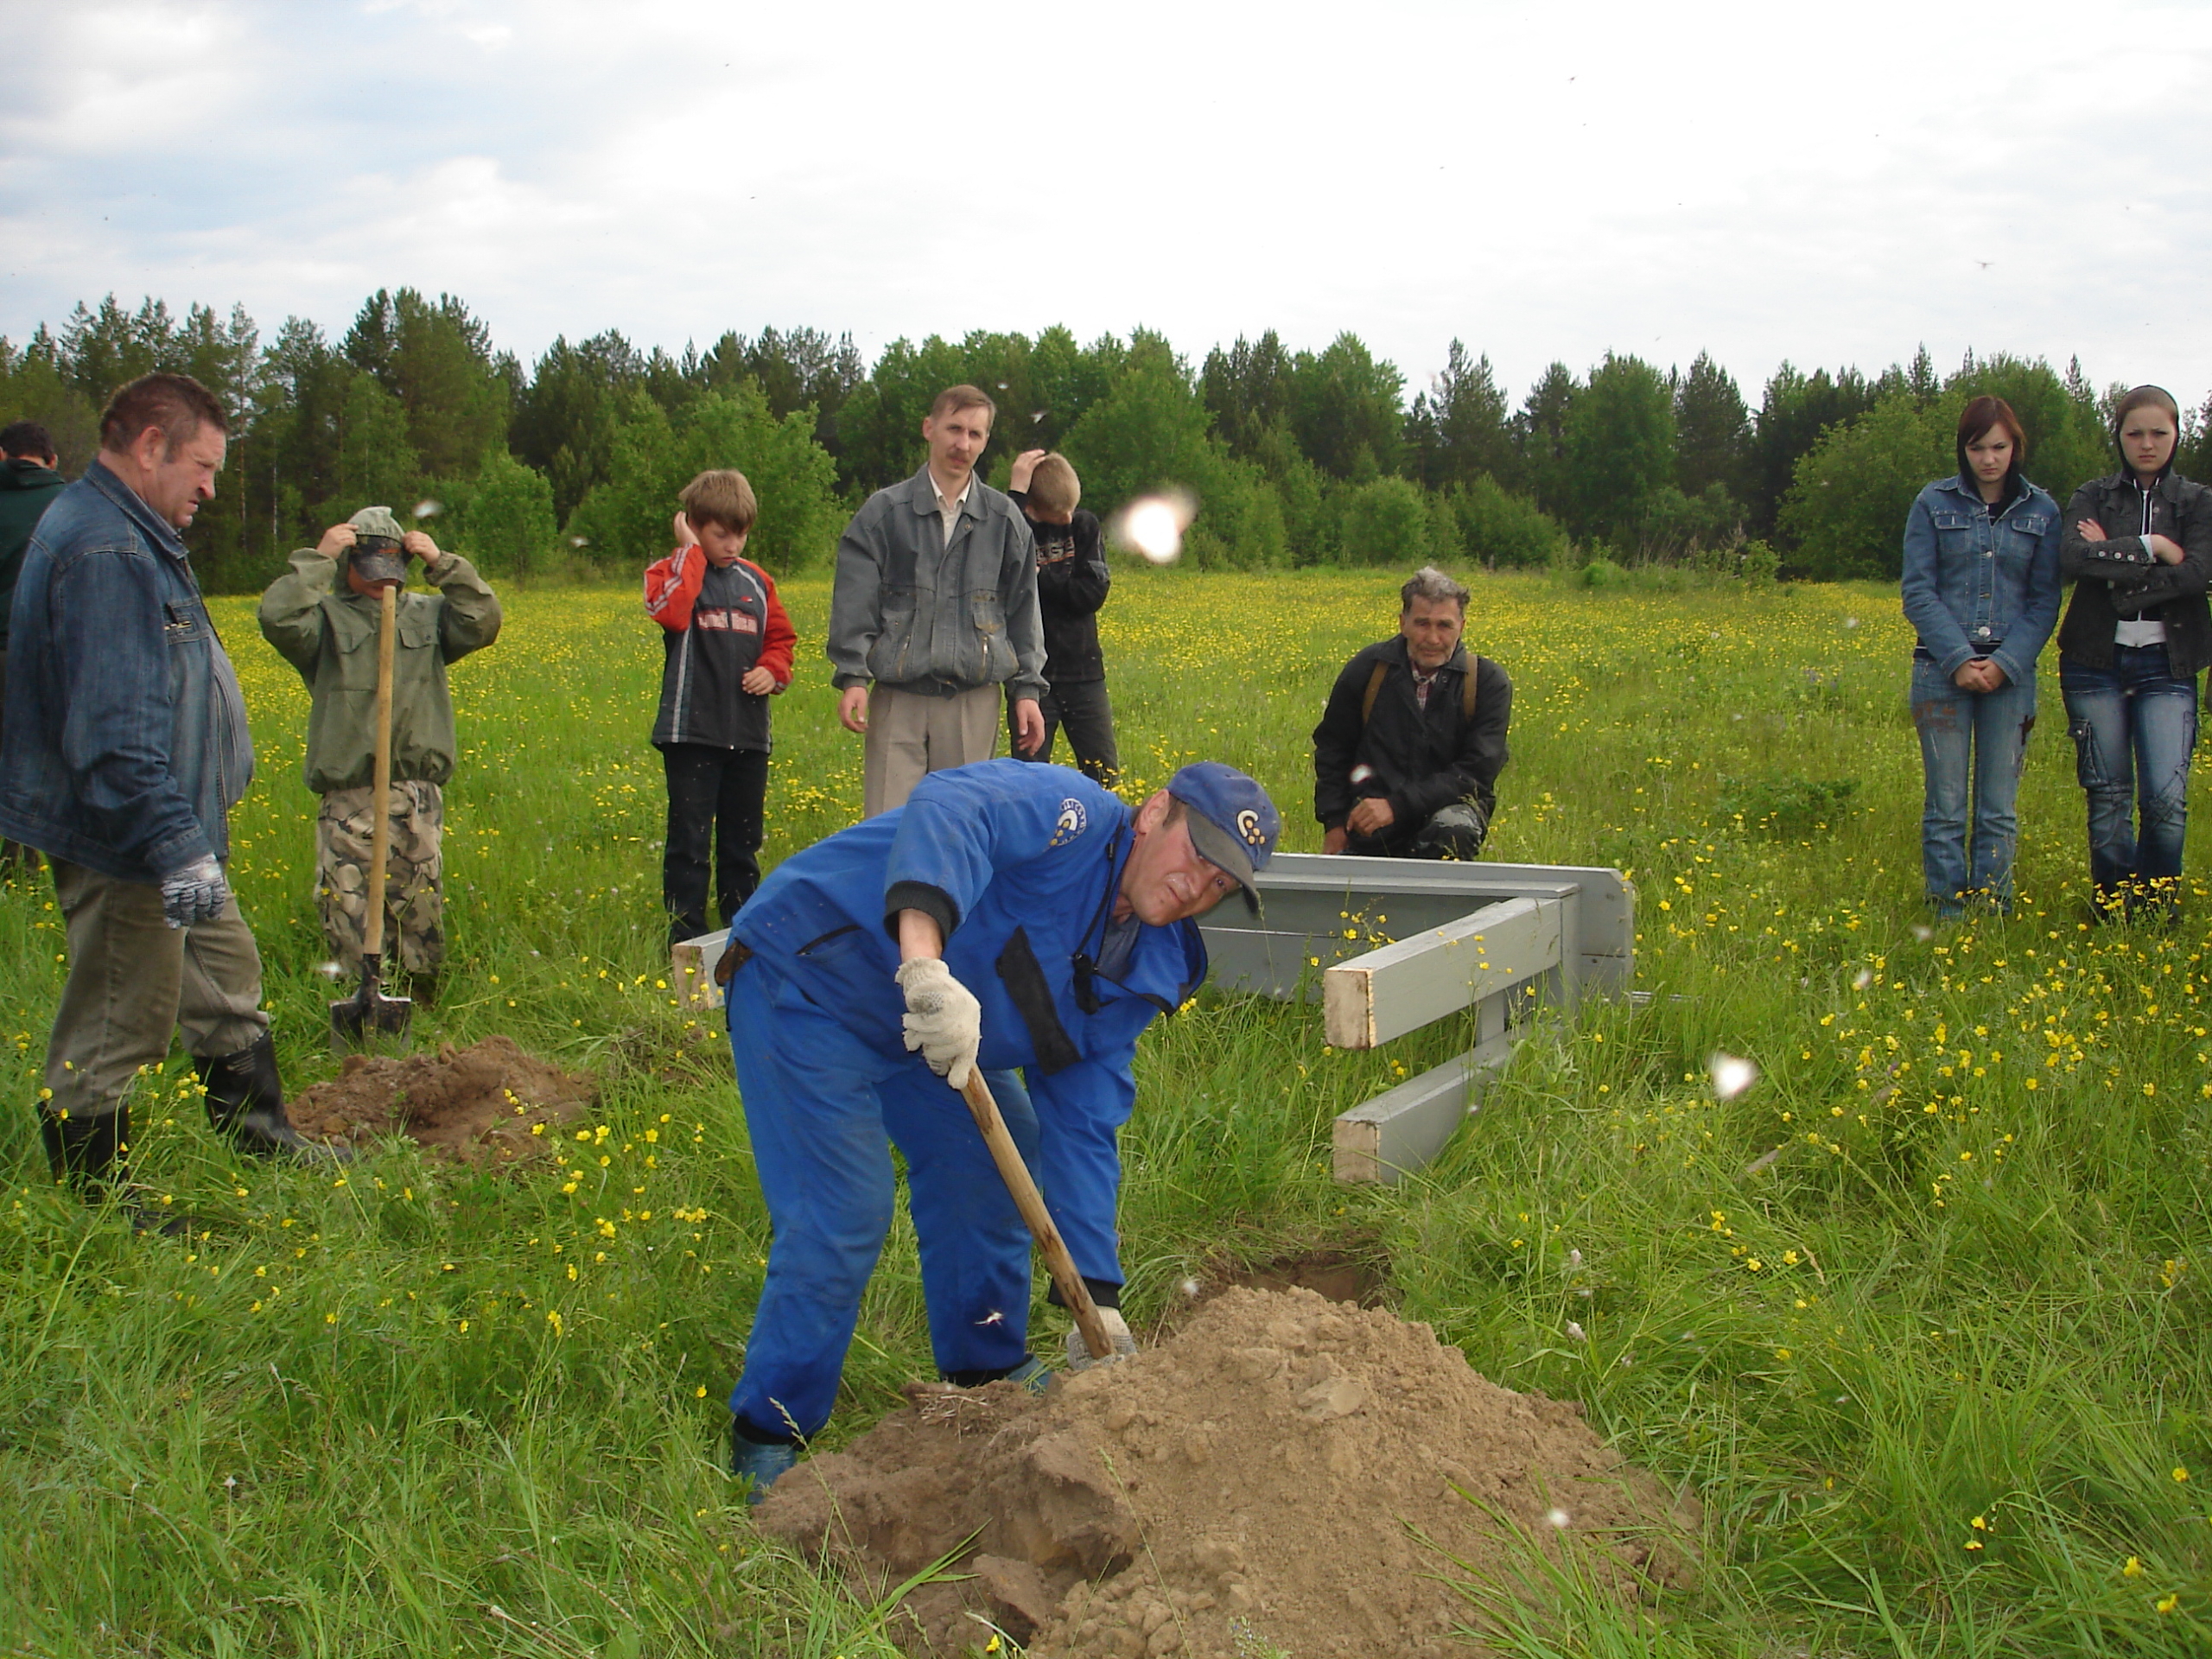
{"x": 2134, "y": 639}
{"x": 1981, "y": 587}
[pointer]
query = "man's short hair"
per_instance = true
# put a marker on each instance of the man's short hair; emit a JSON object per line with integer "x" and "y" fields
{"x": 176, "y": 405}
{"x": 1053, "y": 487}
{"x": 27, "y": 441}
{"x": 1431, "y": 584}
{"x": 953, "y": 399}
{"x": 721, "y": 497}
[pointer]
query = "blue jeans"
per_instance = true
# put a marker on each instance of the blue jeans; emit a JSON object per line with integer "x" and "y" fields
{"x": 823, "y": 1109}
{"x": 1980, "y": 736}
{"x": 2133, "y": 726}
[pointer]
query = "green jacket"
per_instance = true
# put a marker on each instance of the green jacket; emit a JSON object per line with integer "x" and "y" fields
{"x": 26, "y": 489}
{"x": 329, "y": 633}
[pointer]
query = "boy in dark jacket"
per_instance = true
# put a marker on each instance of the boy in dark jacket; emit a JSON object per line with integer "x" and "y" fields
{"x": 728, "y": 647}
{"x": 1407, "y": 756}
{"x": 1071, "y": 583}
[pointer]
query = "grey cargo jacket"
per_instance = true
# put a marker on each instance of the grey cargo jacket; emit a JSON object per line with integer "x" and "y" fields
{"x": 924, "y": 615}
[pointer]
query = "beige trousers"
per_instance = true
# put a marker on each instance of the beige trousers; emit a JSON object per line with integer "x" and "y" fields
{"x": 910, "y": 736}
{"x": 134, "y": 981}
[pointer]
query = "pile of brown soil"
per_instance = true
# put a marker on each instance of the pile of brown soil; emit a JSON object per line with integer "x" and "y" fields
{"x": 477, "y": 1105}
{"x": 1267, "y": 1476}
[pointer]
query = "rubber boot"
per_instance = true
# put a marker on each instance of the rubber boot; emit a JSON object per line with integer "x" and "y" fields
{"x": 92, "y": 1155}
{"x": 245, "y": 1102}
{"x": 88, "y": 1154}
{"x": 760, "y": 1464}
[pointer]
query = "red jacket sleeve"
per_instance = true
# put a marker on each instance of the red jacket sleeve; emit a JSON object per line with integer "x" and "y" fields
{"x": 672, "y": 589}
{"x": 777, "y": 643}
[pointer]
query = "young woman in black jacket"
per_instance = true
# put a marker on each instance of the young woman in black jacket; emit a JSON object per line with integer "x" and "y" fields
{"x": 2137, "y": 548}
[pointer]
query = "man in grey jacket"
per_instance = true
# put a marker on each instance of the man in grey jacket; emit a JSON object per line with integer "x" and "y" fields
{"x": 935, "y": 605}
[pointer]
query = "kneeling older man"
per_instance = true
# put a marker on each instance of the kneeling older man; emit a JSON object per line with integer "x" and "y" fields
{"x": 1407, "y": 756}
{"x": 1008, "y": 915}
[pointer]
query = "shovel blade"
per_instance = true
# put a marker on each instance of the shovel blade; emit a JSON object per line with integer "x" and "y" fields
{"x": 369, "y": 1013}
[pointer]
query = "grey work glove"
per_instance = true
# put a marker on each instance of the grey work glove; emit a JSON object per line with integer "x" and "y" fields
{"x": 195, "y": 894}
{"x": 1117, "y": 1329}
{"x": 944, "y": 1022}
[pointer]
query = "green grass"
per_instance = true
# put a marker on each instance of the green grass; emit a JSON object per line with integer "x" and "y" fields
{"x": 1944, "y": 1260}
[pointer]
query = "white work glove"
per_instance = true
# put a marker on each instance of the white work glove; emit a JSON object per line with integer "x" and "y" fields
{"x": 944, "y": 1022}
{"x": 195, "y": 894}
{"x": 1117, "y": 1330}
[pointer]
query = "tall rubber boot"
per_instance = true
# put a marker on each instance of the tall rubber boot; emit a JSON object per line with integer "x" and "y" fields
{"x": 92, "y": 1156}
{"x": 245, "y": 1102}
{"x": 88, "y": 1154}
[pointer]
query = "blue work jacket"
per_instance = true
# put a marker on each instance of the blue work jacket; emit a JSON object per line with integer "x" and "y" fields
{"x": 1978, "y": 583}
{"x": 1023, "y": 860}
{"x": 126, "y": 744}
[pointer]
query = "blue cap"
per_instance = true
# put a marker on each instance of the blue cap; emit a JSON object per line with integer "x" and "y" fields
{"x": 1233, "y": 824}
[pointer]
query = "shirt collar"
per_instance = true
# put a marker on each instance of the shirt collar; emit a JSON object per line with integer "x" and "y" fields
{"x": 936, "y": 489}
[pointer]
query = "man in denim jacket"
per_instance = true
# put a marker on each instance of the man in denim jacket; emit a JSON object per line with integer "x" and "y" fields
{"x": 936, "y": 604}
{"x": 126, "y": 748}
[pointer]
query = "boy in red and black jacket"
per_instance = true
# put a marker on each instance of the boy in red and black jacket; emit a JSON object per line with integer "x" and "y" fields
{"x": 729, "y": 650}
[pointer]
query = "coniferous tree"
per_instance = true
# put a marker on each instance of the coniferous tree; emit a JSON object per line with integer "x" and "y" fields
{"x": 1712, "y": 428}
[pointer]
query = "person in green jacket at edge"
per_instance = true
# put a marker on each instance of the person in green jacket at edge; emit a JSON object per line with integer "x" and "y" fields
{"x": 323, "y": 617}
{"x": 30, "y": 477}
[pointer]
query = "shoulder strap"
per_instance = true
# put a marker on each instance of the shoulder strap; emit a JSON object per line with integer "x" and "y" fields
{"x": 1374, "y": 690}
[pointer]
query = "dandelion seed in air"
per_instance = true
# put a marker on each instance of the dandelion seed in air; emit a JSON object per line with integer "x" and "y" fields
{"x": 1575, "y": 1333}
{"x": 328, "y": 969}
{"x": 427, "y": 508}
{"x": 1575, "y": 1258}
{"x": 579, "y": 541}
{"x": 994, "y": 1317}
{"x": 1862, "y": 979}
{"x": 1731, "y": 1075}
{"x": 1922, "y": 931}
{"x": 1850, "y": 621}
{"x": 1558, "y": 1518}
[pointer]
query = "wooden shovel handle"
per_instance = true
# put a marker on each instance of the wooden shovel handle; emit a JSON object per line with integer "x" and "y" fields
{"x": 380, "y": 840}
{"x": 1031, "y": 1203}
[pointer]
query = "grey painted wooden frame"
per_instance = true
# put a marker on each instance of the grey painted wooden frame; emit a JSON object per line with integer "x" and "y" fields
{"x": 1389, "y": 945}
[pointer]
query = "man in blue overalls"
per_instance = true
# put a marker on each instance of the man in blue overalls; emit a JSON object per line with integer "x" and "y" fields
{"x": 1008, "y": 915}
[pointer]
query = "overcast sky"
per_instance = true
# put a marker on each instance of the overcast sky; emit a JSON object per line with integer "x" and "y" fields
{"x": 1832, "y": 185}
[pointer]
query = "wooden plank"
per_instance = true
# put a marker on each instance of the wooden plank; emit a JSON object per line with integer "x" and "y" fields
{"x": 1404, "y": 1129}
{"x": 1402, "y": 986}
{"x": 693, "y": 964}
{"x": 1313, "y": 898}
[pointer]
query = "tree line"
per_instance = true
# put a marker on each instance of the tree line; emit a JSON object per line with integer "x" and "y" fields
{"x": 1296, "y": 457}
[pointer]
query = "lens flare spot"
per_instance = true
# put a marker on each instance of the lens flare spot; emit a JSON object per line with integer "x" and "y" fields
{"x": 1153, "y": 525}
{"x": 1731, "y": 1075}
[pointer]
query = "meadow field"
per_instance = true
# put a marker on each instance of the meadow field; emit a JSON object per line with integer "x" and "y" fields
{"x": 1919, "y": 1316}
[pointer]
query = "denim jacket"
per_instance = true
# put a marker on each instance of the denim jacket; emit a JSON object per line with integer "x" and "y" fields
{"x": 126, "y": 738}
{"x": 1979, "y": 585}
{"x": 914, "y": 611}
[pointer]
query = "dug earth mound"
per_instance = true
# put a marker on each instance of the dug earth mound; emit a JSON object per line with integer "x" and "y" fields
{"x": 1286, "y": 1471}
{"x": 489, "y": 1105}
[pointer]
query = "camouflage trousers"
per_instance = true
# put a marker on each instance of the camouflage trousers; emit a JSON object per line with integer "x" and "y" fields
{"x": 414, "y": 924}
